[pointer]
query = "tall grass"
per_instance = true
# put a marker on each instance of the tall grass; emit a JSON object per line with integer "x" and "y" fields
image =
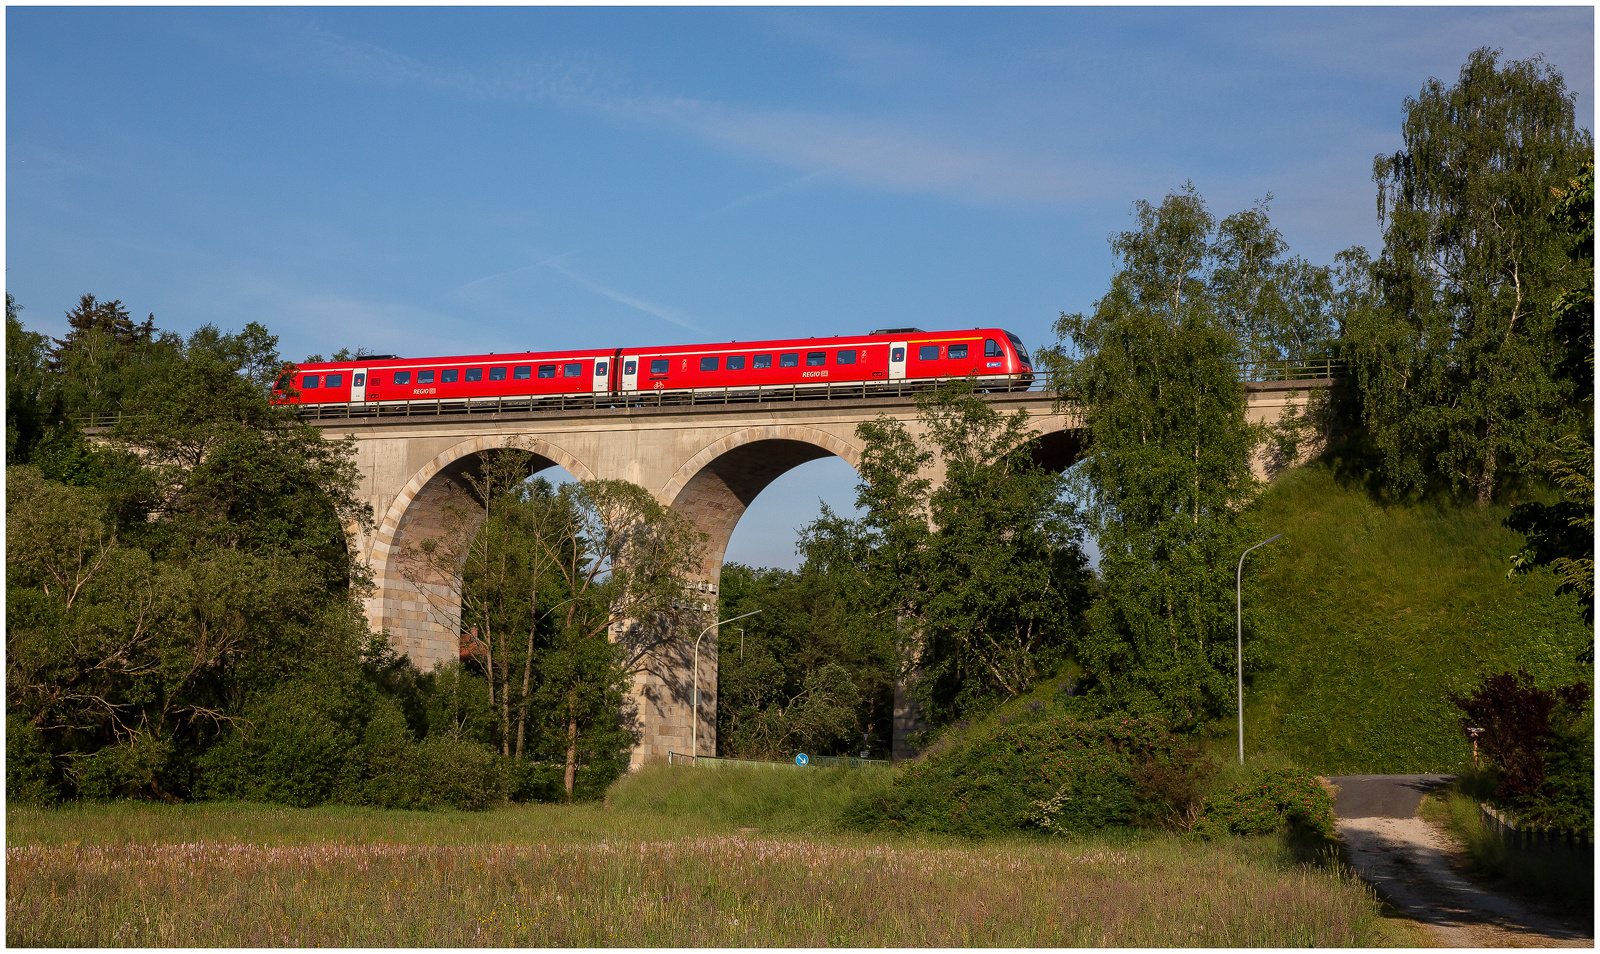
{"x": 251, "y": 875}
{"x": 1555, "y": 876}
{"x": 773, "y": 800}
{"x": 1373, "y": 615}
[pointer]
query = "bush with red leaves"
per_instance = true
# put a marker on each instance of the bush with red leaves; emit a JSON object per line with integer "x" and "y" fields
{"x": 1522, "y": 725}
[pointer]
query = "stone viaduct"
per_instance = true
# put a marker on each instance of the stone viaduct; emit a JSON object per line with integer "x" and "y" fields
{"x": 706, "y": 461}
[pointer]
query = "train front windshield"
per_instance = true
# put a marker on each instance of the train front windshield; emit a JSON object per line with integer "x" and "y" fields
{"x": 1022, "y": 353}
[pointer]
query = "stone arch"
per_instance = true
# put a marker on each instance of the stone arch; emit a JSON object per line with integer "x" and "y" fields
{"x": 713, "y": 488}
{"x": 1060, "y": 447}
{"x": 421, "y": 615}
{"x": 716, "y": 485}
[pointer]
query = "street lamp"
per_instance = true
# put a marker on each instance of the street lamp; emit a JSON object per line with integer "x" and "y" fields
{"x": 694, "y": 717}
{"x": 1238, "y": 608}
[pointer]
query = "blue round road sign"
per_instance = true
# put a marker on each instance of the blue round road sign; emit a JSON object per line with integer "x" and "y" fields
{"x": 801, "y": 759}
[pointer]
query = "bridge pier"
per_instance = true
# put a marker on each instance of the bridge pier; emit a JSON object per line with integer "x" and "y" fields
{"x": 707, "y": 462}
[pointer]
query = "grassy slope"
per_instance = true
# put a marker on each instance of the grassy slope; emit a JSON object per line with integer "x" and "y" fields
{"x": 1376, "y": 614}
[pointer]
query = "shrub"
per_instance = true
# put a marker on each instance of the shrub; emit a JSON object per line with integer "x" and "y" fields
{"x": 1051, "y": 772}
{"x": 1272, "y": 801}
{"x": 30, "y": 775}
{"x": 469, "y": 776}
{"x": 298, "y": 746}
{"x": 1537, "y": 741}
{"x": 125, "y": 770}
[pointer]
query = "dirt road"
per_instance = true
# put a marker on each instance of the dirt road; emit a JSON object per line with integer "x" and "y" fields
{"x": 1414, "y": 865}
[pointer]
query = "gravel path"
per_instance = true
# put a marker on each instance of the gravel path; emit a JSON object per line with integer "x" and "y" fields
{"x": 1413, "y": 864}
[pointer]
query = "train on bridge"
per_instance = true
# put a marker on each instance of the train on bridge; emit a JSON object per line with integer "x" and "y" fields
{"x": 884, "y": 361}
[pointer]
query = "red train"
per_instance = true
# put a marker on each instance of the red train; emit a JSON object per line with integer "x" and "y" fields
{"x": 885, "y": 360}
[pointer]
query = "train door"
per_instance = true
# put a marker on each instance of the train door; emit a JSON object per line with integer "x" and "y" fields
{"x": 602, "y": 375}
{"x": 358, "y": 385}
{"x": 630, "y": 373}
{"x": 897, "y": 360}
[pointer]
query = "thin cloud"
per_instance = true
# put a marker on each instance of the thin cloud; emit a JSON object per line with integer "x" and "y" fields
{"x": 665, "y": 314}
{"x": 755, "y": 197}
{"x": 866, "y": 152}
{"x": 523, "y": 270}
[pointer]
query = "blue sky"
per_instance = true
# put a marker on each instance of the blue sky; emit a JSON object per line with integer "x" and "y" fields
{"x": 435, "y": 181}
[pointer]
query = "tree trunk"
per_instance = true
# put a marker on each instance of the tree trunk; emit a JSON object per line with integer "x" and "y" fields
{"x": 1486, "y": 477}
{"x": 522, "y": 706}
{"x": 572, "y": 749}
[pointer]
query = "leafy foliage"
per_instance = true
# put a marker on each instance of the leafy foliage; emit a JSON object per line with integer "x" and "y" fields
{"x": 806, "y": 675}
{"x": 1154, "y": 374}
{"x": 1523, "y": 726}
{"x": 566, "y": 594}
{"x": 27, "y": 407}
{"x": 1561, "y": 535}
{"x": 981, "y": 577}
{"x": 1037, "y": 769}
{"x": 183, "y": 615}
{"x": 1458, "y": 363}
{"x": 1275, "y": 800}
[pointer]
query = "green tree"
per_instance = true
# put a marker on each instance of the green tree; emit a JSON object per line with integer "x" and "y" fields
{"x": 1561, "y": 535}
{"x": 1153, "y": 373}
{"x": 1457, "y": 364}
{"x": 27, "y": 394}
{"x": 162, "y": 583}
{"x": 569, "y": 593}
{"x": 1279, "y": 307}
{"x": 809, "y": 674}
{"x": 981, "y": 576}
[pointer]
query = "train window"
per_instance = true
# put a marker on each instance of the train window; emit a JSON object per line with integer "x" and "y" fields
{"x": 309, "y": 381}
{"x": 658, "y": 365}
{"x": 708, "y": 364}
{"x": 897, "y": 355}
{"x": 928, "y": 353}
{"x": 816, "y": 359}
{"x": 448, "y": 376}
{"x": 402, "y": 377}
{"x": 359, "y": 380}
{"x": 600, "y": 368}
{"x": 789, "y": 360}
{"x": 630, "y": 367}
{"x": 736, "y": 363}
{"x": 958, "y": 351}
{"x": 522, "y": 372}
{"x": 762, "y": 361}
{"x": 334, "y": 380}
{"x": 284, "y": 382}
{"x": 991, "y": 348}
{"x": 474, "y": 374}
{"x": 1022, "y": 353}
{"x": 424, "y": 377}
{"x": 573, "y": 370}
{"x": 846, "y": 357}
{"x": 497, "y": 374}
{"x": 545, "y": 371}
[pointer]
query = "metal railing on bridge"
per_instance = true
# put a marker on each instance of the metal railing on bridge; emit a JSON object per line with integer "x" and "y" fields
{"x": 1301, "y": 369}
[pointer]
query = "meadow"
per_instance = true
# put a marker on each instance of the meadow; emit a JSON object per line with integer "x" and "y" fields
{"x": 646, "y": 870}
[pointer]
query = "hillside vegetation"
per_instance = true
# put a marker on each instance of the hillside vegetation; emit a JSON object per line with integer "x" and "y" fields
{"x": 1376, "y": 614}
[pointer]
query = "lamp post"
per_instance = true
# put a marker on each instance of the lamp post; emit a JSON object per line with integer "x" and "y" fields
{"x": 694, "y": 717}
{"x": 1238, "y": 609}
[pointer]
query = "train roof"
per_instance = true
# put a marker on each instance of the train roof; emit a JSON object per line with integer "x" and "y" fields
{"x": 511, "y": 357}
{"x": 505, "y": 357}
